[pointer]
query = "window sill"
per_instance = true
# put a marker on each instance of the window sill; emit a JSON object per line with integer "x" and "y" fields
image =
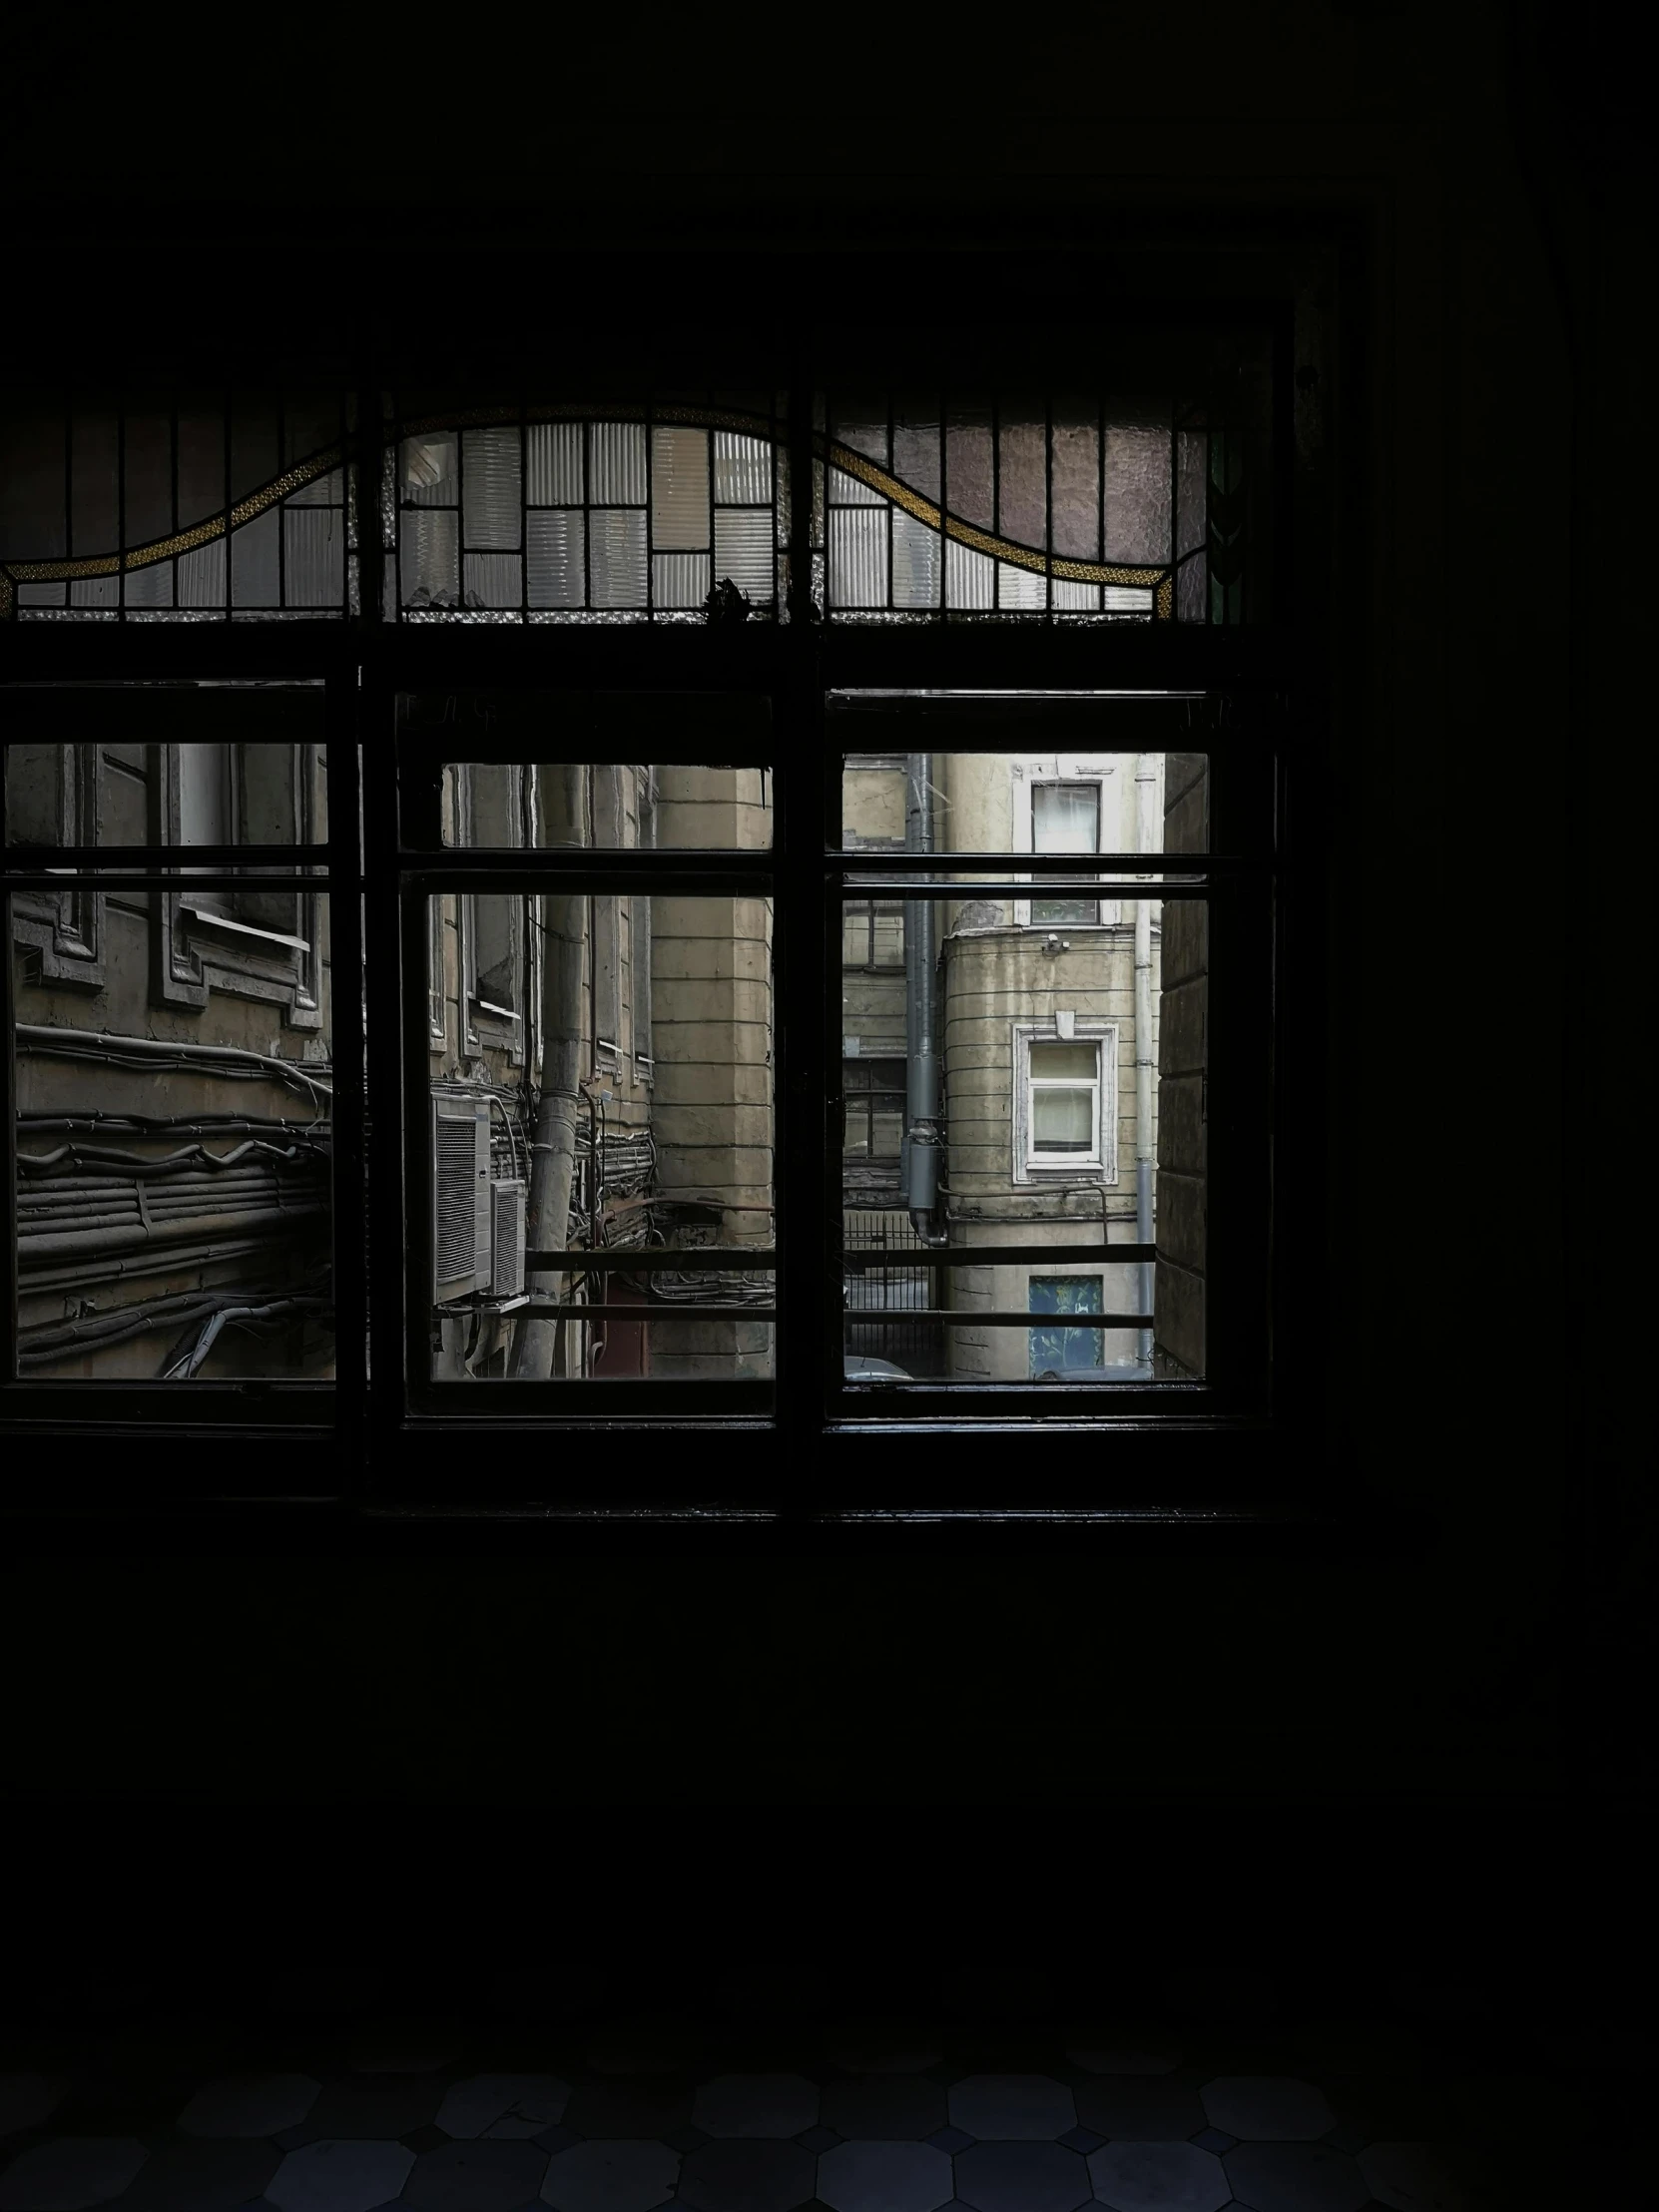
{"x": 1268, "y": 1529}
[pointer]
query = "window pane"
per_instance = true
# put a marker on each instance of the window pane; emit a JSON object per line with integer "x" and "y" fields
{"x": 1033, "y": 1119}
{"x": 124, "y": 766}
{"x": 614, "y": 805}
{"x": 579, "y": 1131}
{"x": 1057, "y": 1353}
{"x": 1034, "y": 802}
{"x": 1062, "y": 1121}
{"x": 1063, "y": 1062}
{"x": 174, "y": 1096}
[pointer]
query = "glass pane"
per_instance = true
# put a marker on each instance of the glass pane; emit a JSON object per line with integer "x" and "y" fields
{"x": 554, "y": 463}
{"x": 174, "y": 1103}
{"x": 558, "y": 558}
{"x": 632, "y": 1113}
{"x": 712, "y": 802}
{"x": 1062, "y": 1121}
{"x": 616, "y": 556}
{"x": 678, "y": 489}
{"x": 492, "y": 482}
{"x": 1063, "y": 1063}
{"x": 1040, "y": 801}
{"x": 615, "y": 453}
{"x": 1056, "y": 1352}
{"x": 742, "y": 551}
{"x": 116, "y": 766}
{"x": 1035, "y": 1112}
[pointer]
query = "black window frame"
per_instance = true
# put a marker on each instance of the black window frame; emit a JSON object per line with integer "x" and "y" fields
{"x": 1254, "y": 700}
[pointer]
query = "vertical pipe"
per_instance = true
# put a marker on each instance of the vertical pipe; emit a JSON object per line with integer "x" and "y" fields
{"x": 1146, "y": 840}
{"x": 553, "y": 1152}
{"x": 921, "y": 1083}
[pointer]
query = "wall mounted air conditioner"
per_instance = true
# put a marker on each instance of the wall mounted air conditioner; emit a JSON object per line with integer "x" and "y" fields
{"x": 507, "y": 1203}
{"x": 461, "y": 1224}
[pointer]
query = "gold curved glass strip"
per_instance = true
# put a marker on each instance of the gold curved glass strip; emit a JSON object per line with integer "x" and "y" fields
{"x": 179, "y": 541}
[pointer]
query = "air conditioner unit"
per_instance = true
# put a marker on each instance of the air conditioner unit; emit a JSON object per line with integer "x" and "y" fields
{"x": 507, "y": 1202}
{"x": 460, "y": 1197}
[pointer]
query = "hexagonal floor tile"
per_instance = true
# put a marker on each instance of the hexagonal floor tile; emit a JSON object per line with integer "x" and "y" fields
{"x": 377, "y": 2110}
{"x": 509, "y": 2107}
{"x": 477, "y": 2177}
{"x": 610, "y": 2108}
{"x": 1294, "y": 2177}
{"x": 339, "y": 2176}
{"x": 1022, "y": 2177}
{"x": 1268, "y": 2108}
{"x": 28, "y": 2101}
{"x": 70, "y": 2172}
{"x": 1030, "y": 2109}
{"x": 883, "y": 2177}
{"x": 202, "y": 2177}
{"x": 884, "y": 2107}
{"x": 730, "y": 2176}
{"x": 769, "y": 2104}
{"x": 249, "y": 2105}
{"x": 1413, "y": 2177}
{"x": 1139, "y": 2108}
{"x": 611, "y": 2176}
{"x": 1158, "y": 2177}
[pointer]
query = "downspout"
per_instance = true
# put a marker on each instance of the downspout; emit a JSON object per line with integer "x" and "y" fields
{"x": 553, "y": 1149}
{"x": 1146, "y": 840}
{"x": 921, "y": 1079}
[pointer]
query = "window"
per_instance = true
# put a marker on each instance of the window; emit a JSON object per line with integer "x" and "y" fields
{"x": 1056, "y": 1352}
{"x": 1070, "y": 1102}
{"x": 736, "y": 963}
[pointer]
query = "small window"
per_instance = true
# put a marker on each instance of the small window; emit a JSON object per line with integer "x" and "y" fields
{"x": 1057, "y": 1353}
{"x": 872, "y": 933}
{"x": 1066, "y": 1104}
{"x": 1065, "y": 817}
{"x": 875, "y": 1094}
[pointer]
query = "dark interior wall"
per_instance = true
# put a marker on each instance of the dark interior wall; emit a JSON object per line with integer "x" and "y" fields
{"x": 1478, "y": 1073}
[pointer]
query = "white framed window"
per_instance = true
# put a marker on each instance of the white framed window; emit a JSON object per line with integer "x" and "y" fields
{"x": 1065, "y": 804}
{"x": 1065, "y": 1101}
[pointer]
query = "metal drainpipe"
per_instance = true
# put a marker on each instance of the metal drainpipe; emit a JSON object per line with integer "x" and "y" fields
{"x": 921, "y": 1079}
{"x": 1146, "y": 840}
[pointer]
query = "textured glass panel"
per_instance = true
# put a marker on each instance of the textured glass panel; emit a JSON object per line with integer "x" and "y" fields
{"x": 428, "y": 469}
{"x": 41, "y": 595}
{"x": 968, "y": 488}
{"x": 970, "y": 576}
{"x": 150, "y": 586}
{"x": 1076, "y": 472}
{"x": 1137, "y": 492}
{"x": 1018, "y": 590}
{"x": 915, "y": 562}
{"x": 314, "y": 551}
{"x": 556, "y": 546}
{"x": 615, "y": 554}
{"x": 743, "y": 470}
{"x": 742, "y": 551}
{"x": 679, "y": 490}
{"x": 202, "y": 576}
{"x": 858, "y": 557}
{"x": 494, "y": 580}
{"x": 325, "y": 491}
{"x": 490, "y": 478}
{"x": 862, "y": 425}
{"x": 429, "y": 561}
{"x": 254, "y": 561}
{"x": 149, "y": 454}
{"x": 1192, "y": 585}
{"x": 1072, "y": 598}
{"x": 915, "y": 447}
{"x": 617, "y": 464}
{"x": 1127, "y": 599}
{"x": 849, "y": 491}
{"x": 1022, "y": 484}
{"x": 554, "y": 461}
{"x": 679, "y": 579}
{"x": 95, "y": 591}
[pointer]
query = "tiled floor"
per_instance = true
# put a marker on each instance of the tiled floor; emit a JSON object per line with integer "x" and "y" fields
{"x": 325, "y": 2090}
